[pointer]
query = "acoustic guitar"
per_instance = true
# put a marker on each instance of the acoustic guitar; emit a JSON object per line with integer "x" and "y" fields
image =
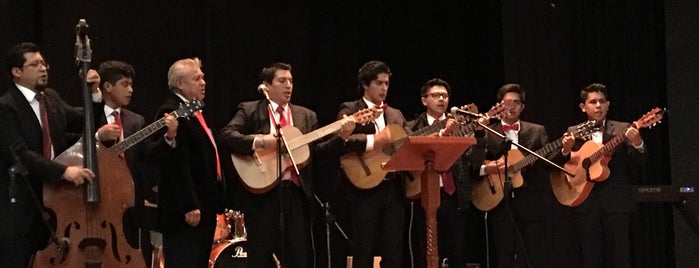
{"x": 488, "y": 192}
{"x": 258, "y": 171}
{"x": 589, "y": 164}
{"x": 412, "y": 182}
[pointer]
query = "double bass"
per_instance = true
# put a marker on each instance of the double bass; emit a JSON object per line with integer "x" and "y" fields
{"x": 88, "y": 219}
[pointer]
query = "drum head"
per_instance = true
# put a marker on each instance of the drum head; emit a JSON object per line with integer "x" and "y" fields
{"x": 231, "y": 253}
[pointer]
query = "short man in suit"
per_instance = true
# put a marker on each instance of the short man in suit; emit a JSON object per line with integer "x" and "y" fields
{"x": 254, "y": 128}
{"x": 117, "y": 123}
{"x": 525, "y": 211}
{"x": 191, "y": 191}
{"x": 604, "y": 217}
{"x": 22, "y": 227}
{"x": 377, "y": 214}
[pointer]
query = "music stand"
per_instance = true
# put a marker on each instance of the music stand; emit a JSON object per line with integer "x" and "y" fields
{"x": 429, "y": 155}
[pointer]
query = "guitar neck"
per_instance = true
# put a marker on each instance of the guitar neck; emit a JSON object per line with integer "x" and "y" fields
{"x": 436, "y": 126}
{"x": 529, "y": 159}
{"x": 316, "y": 134}
{"x": 137, "y": 137}
{"x": 608, "y": 147}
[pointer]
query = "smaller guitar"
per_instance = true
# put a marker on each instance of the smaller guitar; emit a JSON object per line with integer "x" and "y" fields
{"x": 73, "y": 156}
{"x": 258, "y": 171}
{"x": 488, "y": 192}
{"x": 589, "y": 164}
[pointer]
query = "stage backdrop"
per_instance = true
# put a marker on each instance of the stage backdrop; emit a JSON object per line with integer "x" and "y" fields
{"x": 552, "y": 48}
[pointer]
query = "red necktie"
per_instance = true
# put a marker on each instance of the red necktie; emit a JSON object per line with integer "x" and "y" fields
{"x": 284, "y": 121}
{"x": 506, "y": 127}
{"x": 200, "y": 117}
{"x": 448, "y": 182}
{"x": 45, "y": 130}
{"x": 117, "y": 120}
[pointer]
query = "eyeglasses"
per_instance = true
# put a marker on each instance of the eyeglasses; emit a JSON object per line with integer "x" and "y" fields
{"x": 436, "y": 95}
{"x": 37, "y": 63}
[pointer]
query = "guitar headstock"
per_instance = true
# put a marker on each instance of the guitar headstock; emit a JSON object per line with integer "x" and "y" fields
{"x": 584, "y": 130}
{"x": 650, "y": 119}
{"x": 499, "y": 110}
{"x": 367, "y": 115}
{"x": 188, "y": 108}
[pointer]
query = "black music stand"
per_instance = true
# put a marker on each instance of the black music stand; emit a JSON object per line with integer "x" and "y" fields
{"x": 429, "y": 154}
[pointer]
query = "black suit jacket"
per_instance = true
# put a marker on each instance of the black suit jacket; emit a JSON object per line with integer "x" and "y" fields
{"x": 189, "y": 176}
{"x": 536, "y": 194}
{"x": 615, "y": 192}
{"x": 20, "y": 127}
{"x": 252, "y": 118}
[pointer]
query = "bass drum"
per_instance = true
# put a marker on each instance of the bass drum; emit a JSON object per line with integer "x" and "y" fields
{"x": 229, "y": 254}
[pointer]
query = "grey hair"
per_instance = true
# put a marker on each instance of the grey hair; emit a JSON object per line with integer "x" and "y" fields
{"x": 175, "y": 72}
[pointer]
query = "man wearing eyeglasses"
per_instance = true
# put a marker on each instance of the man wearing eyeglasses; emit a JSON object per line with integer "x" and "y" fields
{"x": 24, "y": 120}
{"x": 454, "y": 185}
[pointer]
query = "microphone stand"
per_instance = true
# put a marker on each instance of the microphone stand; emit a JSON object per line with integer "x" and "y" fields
{"x": 281, "y": 140}
{"x": 330, "y": 219}
{"x": 18, "y": 169}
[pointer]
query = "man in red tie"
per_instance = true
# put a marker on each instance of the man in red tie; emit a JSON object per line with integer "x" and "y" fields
{"x": 117, "y": 123}
{"x": 253, "y": 130}
{"x": 38, "y": 130}
{"x": 191, "y": 191}
{"x": 452, "y": 238}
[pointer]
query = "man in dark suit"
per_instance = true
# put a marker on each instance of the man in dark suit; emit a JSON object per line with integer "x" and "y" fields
{"x": 118, "y": 123}
{"x": 450, "y": 222}
{"x": 604, "y": 217}
{"x": 191, "y": 190}
{"x": 22, "y": 227}
{"x": 377, "y": 214}
{"x": 520, "y": 222}
{"x": 253, "y": 131}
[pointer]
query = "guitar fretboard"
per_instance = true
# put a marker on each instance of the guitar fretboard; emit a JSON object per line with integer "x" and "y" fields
{"x": 137, "y": 137}
{"x": 543, "y": 151}
{"x": 317, "y": 134}
{"x": 608, "y": 147}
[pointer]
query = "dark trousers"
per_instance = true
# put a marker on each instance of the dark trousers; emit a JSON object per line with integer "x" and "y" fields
{"x": 265, "y": 230}
{"x": 604, "y": 237}
{"x": 378, "y": 217}
{"x": 188, "y": 248}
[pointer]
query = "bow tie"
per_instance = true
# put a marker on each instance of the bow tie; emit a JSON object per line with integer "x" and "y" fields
{"x": 382, "y": 106}
{"x": 506, "y": 128}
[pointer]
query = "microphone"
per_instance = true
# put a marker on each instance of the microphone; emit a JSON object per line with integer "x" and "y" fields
{"x": 261, "y": 88}
{"x": 456, "y": 110}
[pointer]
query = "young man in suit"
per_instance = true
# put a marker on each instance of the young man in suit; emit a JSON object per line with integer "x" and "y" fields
{"x": 22, "y": 227}
{"x": 117, "y": 123}
{"x": 253, "y": 129}
{"x": 604, "y": 217}
{"x": 450, "y": 222}
{"x": 377, "y": 214}
{"x": 520, "y": 222}
{"x": 191, "y": 192}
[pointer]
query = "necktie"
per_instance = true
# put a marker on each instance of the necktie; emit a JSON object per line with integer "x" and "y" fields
{"x": 45, "y": 130}
{"x": 117, "y": 120}
{"x": 448, "y": 182}
{"x": 200, "y": 117}
{"x": 284, "y": 121}
{"x": 506, "y": 127}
